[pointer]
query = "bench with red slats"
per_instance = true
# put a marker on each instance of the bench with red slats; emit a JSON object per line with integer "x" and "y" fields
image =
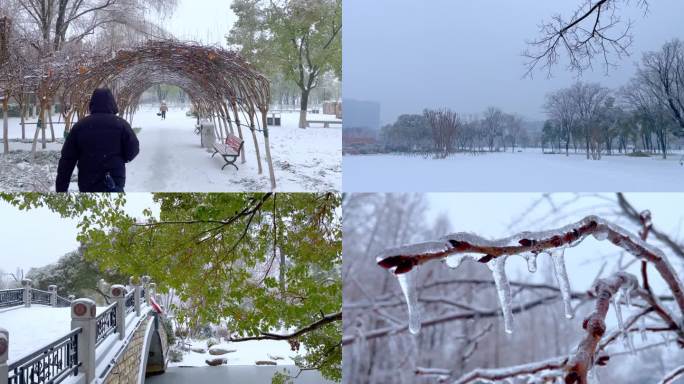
{"x": 229, "y": 150}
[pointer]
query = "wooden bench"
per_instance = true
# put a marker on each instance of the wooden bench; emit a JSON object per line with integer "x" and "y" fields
{"x": 326, "y": 123}
{"x": 230, "y": 150}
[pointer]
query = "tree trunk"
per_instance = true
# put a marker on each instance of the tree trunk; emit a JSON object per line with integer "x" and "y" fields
{"x": 43, "y": 141}
{"x": 267, "y": 146}
{"x": 304, "y": 104}
{"x": 52, "y": 128}
{"x": 5, "y": 125}
{"x": 22, "y": 114}
{"x": 35, "y": 138}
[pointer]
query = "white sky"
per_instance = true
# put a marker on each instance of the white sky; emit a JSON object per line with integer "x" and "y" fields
{"x": 38, "y": 237}
{"x": 205, "y": 21}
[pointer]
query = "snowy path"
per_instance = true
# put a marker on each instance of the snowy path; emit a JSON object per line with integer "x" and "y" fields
{"x": 171, "y": 159}
{"x": 529, "y": 171}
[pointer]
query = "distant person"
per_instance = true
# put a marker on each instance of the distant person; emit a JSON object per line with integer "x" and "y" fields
{"x": 100, "y": 144}
{"x": 162, "y": 109}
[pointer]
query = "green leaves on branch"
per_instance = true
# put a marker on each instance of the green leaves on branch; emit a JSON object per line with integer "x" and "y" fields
{"x": 261, "y": 262}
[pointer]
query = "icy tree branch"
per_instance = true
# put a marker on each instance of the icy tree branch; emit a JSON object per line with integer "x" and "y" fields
{"x": 673, "y": 375}
{"x": 403, "y": 259}
{"x": 583, "y": 360}
{"x": 554, "y": 364}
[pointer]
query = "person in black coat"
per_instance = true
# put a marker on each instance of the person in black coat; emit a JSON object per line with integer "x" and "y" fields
{"x": 100, "y": 144}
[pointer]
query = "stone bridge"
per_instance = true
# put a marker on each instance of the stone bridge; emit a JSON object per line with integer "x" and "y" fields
{"x": 120, "y": 343}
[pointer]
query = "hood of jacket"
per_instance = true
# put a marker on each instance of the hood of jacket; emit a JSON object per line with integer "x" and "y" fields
{"x": 103, "y": 101}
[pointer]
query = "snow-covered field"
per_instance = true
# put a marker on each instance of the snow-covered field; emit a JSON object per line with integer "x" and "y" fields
{"x": 171, "y": 159}
{"x": 512, "y": 172}
{"x": 245, "y": 353}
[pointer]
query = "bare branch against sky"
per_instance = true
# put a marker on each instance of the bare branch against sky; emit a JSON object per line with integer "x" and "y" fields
{"x": 468, "y": 55}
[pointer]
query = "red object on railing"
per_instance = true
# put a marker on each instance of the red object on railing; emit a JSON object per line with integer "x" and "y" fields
{"x": 156, "y": 307}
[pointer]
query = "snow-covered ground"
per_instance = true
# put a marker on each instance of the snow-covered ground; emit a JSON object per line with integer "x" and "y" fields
{"x": 245, "y": 353}
{"x": 35, "y": 327}
{"x": 171, "y": 159}
{"x": 529, "y": 171}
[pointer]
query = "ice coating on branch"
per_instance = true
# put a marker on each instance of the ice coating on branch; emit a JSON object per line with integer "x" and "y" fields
{"x": 563, "y": 281}
{"x": 642, "y": 329}
{"x": 453, "y": 249}
{"x": 503, "y": 290}
{"x": 455, "y": 261}
{"x": 408, "y": 287}
{"x": 465, "y": 237}
{"x": 531, "y": 262}
{"x": 414, "y": 249}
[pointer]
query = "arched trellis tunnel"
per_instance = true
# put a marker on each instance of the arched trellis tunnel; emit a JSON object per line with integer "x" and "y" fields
{"x": 222, "y": 86}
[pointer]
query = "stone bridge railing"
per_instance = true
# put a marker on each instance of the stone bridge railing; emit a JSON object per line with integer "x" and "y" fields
{"x": 83, "y": 353}
{"x": 27, "y": 295}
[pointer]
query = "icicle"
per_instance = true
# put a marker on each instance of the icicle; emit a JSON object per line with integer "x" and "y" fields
{"x": 408, "y": 287}
{"x": 626, "y": 339}
{"x": 503, "y": 289}
{"x": 593, "y": 373}
{"x": 455, "y": 261}
{"x": 666, "y": 339}
{"x": 601, "y": 235}
{"x": 618, "y": 312}
{"x": 563, "y": 281}
{"x": 628, "y": 296}
{"x": 642, "y": 329}
{"x": 531, "y": 262}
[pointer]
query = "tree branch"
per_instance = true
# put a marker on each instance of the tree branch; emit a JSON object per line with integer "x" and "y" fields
{"x": 327, "y": 319}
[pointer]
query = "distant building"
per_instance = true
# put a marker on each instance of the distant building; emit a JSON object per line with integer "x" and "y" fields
{"x": 361, "y": 114}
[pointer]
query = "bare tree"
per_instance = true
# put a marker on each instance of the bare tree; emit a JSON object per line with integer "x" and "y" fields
{"x": 595, "y": 29}
{"x": 492, "y": 126}
{"x": 445, "y": 125}
{"x": 587, "y": 101}
{"x": 60, "y": 22}
{"x": 662, "y": 75}
{"x": 559, "y": 107}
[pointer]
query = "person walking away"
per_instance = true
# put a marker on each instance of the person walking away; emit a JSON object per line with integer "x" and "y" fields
{"x": 163, "y": 108}
{"x": 100, "y": 145}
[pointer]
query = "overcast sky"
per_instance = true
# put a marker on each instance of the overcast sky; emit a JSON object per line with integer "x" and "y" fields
{"x": 205, "y": 21}
{"x": 466, "y": 55}
{"x": 39, "y": 237}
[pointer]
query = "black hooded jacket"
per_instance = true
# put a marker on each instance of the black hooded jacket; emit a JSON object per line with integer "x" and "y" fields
{"x": 99, "y": 143}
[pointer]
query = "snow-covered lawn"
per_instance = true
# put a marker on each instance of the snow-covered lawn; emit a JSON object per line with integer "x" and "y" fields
{"x": 512, "y": 172}
{"x": 171, "y": 159}
{"x": 246, "y": 353}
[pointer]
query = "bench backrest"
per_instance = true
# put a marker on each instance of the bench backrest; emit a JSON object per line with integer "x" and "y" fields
{"x": 234, "y": 142}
